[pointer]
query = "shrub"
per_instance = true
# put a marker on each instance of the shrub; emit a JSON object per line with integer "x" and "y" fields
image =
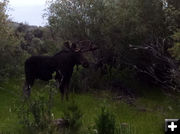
{"x": 35, "y": 113}
{"x": 105, "y": 122}
{"x": 73, "y": 115}
{"x": 11, "y": 55}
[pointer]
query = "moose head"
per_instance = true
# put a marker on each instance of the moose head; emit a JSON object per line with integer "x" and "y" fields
{"x": 78, "y": 49}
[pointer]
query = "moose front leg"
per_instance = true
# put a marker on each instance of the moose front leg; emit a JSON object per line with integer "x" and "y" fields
{"x": 66, "y": 83}
{"x": 64, "y": 88}
{"x": 67, "y": 89}
{"x": 64, "y": 80}
{"x": 60, "y": 83}
{"x": 58, "y": 78}
{"x": 26, "y": 90}
{"x": 27, "y": 87}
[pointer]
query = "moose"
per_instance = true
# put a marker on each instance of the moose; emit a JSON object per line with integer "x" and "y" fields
{"x": 62, "y": 63}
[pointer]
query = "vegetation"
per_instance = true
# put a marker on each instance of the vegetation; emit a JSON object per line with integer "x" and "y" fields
{"x": 9, "y": 47}
{"x": 105, "y": 122}
{"x": 134, "y": 74}
{"x": 114, "y": 26}
{"x": 151, "y": 106}
{"x": 176, "y": 48}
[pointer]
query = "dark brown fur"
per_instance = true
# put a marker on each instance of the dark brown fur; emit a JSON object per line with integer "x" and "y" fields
{"x": 42, "y": 67}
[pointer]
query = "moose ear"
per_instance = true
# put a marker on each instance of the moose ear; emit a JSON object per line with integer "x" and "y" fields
{"x": 67, "y": 45}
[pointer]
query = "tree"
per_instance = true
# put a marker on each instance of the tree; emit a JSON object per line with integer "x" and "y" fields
{"x": 114, "y": 25}
{"x": 9, "y": 46}
{"x": 175, "y": 50}
{"x": 5, "y": 31}
{"x": 175, "y": 3}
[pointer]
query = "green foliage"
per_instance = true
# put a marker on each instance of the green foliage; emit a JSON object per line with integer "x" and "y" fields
{"x": 4, "y": 28}
{"x": 125, "y": 129}
{"x": 175, "y": 50}
{"x": 175, "y": 3}
{"x": 74, "y": 116}
{"x": 151, "y": 15}
{"x": 151, "y": 106}
{"x": 36, "y": 46}
{"x": 38, "y": 33}
{"x": 76, "y": 80}
{"x": 172, "y": 18}
{"x": 87, "y": 79}
{"x": 105, "y": 122}
{"x": 112, "y": 25}
{"x": 35, "y": 113}
{"x": 11, "y": 55}
{"x": 36, "y": 40}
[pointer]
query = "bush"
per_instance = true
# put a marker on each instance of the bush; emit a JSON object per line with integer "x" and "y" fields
{"x": 11, "y": 55}
{"x": 105, "y": 123}
{"x": 175, "y": 50}
{"x": 113, "y": 26}
{"x": 85, "y": 79}
{"x": 35, "y": 113}
{"x": 73, "y": 115}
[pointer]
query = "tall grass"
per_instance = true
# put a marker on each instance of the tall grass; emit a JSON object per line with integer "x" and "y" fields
{"x": 35, "y": 113}
{"x": 131, "y": 118}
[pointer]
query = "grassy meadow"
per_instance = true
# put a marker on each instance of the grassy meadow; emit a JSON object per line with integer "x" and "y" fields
{"x": 132, "y": 46}
{"x": 145, "y": 115}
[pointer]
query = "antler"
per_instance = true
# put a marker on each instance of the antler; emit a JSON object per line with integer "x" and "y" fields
{"x": 67, "y": 44}
{"x": 86, "y": 45}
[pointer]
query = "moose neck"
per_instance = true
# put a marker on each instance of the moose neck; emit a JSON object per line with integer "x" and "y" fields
{"x": 74, "y": 58}
{"x": 65, "y": 59}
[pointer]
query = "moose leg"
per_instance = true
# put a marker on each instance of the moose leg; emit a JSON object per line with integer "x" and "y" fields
{"x": 64, "y": 83}
{"x": 65, "y": 91}
{"x": 61, "y": 87}
{"x": 26, "y": 89}
{"x": 58, "y": 78}
{"x": 64, "y": 87}
{"x": 67, "y": 88}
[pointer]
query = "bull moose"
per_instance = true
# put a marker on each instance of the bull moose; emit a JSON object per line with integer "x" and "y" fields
{"x": 62, "y": 63}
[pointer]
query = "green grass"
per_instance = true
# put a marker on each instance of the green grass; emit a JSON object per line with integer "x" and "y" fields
{"x": 146, "y": 116}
